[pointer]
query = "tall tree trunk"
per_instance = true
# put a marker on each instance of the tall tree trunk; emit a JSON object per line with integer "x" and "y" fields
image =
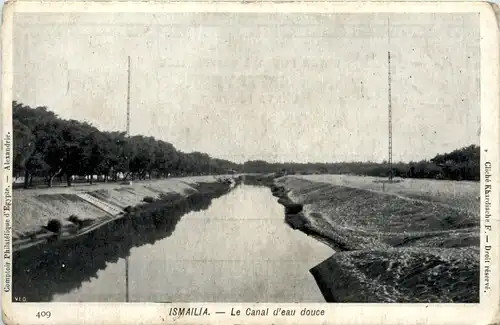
{"x": 26, "y": 178}
{"x": 68, "y": 179}
{"x": 51, "y": 177}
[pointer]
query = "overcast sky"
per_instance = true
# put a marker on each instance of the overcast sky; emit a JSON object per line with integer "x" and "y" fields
{"x": 281, "y": 87}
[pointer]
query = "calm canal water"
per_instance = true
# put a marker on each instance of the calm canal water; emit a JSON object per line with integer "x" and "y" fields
{"x": 238, "y": 250}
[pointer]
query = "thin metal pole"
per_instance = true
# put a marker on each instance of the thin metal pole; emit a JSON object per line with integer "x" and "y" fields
{"x": 390, "y": 116}
{"x": 128, "y": 98}
{"x": 389, "y": 98}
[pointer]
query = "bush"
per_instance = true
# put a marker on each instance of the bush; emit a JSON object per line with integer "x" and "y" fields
{"x": 128, "y": 209}
{"x": 148, "y": 199}
{"x": 293, "y": 208}
{"x": 77, "y": 221}
{"x": 54, "y": 225}
{"x": 170, "y": 196}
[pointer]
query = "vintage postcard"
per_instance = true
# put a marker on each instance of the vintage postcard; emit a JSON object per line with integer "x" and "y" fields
{"x": 250, "y": 163}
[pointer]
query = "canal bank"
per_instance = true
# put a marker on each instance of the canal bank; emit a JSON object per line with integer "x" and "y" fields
{"x": 294, "y": 214}
{"x": 389, "y": 248}
{"x": 86, "y": 205}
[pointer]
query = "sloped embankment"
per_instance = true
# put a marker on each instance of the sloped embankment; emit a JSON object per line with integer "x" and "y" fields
{"x": 32, "y": 209}
{"x": 390, "y": 248}
{"x": 60, "y": 266}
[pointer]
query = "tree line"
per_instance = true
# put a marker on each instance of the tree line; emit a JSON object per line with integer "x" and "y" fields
{"x": 50, "y": 148}
{"x": 460, "y": 164}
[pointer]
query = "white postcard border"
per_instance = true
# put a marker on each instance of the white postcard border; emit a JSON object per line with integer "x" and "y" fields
{"x": 151, "y": 313}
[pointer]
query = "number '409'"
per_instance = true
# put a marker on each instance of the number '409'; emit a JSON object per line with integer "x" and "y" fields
{"x": 43, "y": 314}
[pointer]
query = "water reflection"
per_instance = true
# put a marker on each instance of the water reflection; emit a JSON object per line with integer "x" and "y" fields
{"x": 41, "y": 272}
{"x": 237, "y": 250}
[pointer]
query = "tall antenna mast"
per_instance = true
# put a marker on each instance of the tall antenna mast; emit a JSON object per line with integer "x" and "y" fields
{"x": 128, "y": 98}
{"x": 389, "y": 97}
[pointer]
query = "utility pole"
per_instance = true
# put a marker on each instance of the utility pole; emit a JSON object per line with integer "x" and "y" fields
{"x": 390, "y": 116}
{"x": 390, "y": 99}
{"x": 128, "y": 98}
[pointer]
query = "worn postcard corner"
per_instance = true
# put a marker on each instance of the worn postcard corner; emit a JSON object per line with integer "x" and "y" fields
{"x": 250, "y": 163}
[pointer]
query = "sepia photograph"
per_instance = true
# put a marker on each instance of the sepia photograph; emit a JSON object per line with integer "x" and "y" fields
{"x": 247, "y": 157}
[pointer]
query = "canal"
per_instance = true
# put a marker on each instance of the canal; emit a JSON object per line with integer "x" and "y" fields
{"x": 239, "y": 249}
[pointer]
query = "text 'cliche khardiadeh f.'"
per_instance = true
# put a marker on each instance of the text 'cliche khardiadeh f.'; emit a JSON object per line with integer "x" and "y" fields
{"x": 250, "y": 163}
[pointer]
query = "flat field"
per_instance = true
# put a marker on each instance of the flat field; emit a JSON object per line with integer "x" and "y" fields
{"x": 463, "y": 194}
{"x": 412, "y": 241}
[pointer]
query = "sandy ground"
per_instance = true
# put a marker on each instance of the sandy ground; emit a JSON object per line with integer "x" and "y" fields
{"x": 463, "y": 194}
{"x": 415, "y": 242}
{"x": 33, "y": 208}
